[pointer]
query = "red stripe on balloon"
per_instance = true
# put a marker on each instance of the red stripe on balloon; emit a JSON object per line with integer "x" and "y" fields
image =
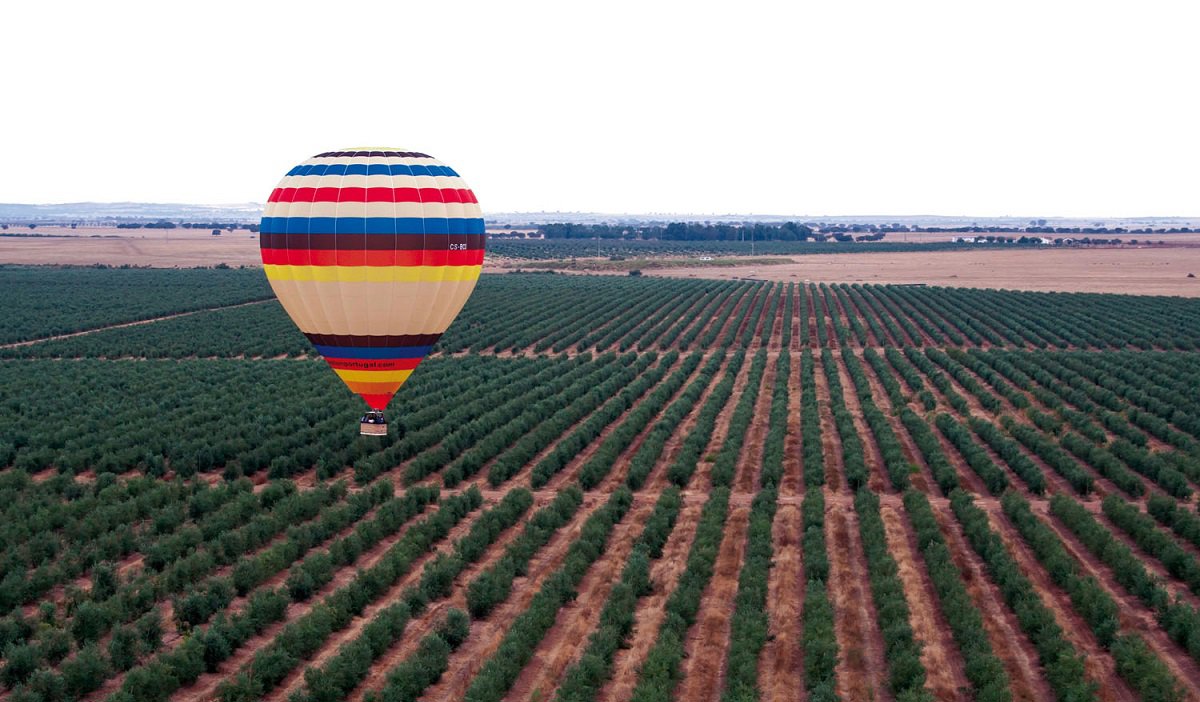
{"x": 372, "y": 195}
{"x": 376, "y": 402}
{"x": 371, "y": 257}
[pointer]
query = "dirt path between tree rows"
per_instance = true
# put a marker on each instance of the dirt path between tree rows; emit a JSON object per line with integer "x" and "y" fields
{"x": 1134, "y": 615}
{"x": 171, "y": 636}
{"x": 1008, "y": 642}
{"x": 946, "y": 675}
{"x": 862, "y": 672}
{"x": 134, "y": 323}
{"x": 426, "y": 622}
{"x": 353, "y": 630}
{"x": 861, "y": 669}
{"x": 780, "y": 671}
{"x": 486, "y": 635}
{"x": 567, "y": 639}
{"x": 1185, "y": 671}
{"x": 205, "y": 686}
{"x": 707, "y": 643}
{"x": 665, "y": 571}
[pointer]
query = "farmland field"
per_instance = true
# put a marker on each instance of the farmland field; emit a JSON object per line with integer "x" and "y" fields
{"x": 601, "y": 488}
{"x": 927, "y": 258}
{"x": 1142, "y": 271}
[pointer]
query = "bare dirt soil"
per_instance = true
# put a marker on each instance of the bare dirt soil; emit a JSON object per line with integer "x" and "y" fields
{"x": 155, "y": 248}
{"x": 779, "y": 667}
{"x": 1146, "y": 271}
{"x": 206, "y": 685}
{"x": 1152, "y": 270}
{"x": 862, "y": 672}
{"x": 1018, "y": 658}
{"x": 665, "y": 571}
{"x": 780, "y": 672}
{"x": 176, "y": 248}
{"x": 940, "y": 655}
{"x": 929, "y": 237}
{"x": 487, "y": 634}
{"x": 567, "y": 639}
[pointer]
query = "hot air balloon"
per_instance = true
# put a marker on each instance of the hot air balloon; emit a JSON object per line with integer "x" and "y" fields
{"x": 372, "y": 252}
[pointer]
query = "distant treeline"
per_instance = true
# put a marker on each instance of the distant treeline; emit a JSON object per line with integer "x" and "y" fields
{"x": 164, "y": 224}
{"x": 682, "y": 231}
{"x": 1057, "y": 241}
{"x": 1054, "y": 230}
{"x": 798, "y": 231}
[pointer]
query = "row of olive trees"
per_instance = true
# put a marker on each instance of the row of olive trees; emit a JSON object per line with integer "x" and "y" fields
{"x": 524, "y": 633}
{"x": 668, "y": 311}
{"x": 692, "y": 320}
{"x": 582, "y": 681}
{"x": 907, "y": 674}
{"x": 1063, "y": 663}
{"x": 253, "y": 331}
{"x": 984, "y": 670}
{"x": 43, "y": 301}
{"x": 1091, "y": 444}
{"x": 748, "y": 627}
{"x": 1144, "y": 672}
{"x": 819, "y": 637}
{"x": 598, "y": 466}
{"x": 345, "y": 671}
{"x": 174, "y": 562}
{"x": 438, "y": 429}
{"x": 229, "y": 630}
{"x": 549, "y": 419}
{"x": 406, "y": 681}
{"x": 1180, "y": 620}
{"x": 646, "y": 457}
{"x": 660, "y": 670}
{"x": 480, "y": 422}
{"x": 305, "y": 635}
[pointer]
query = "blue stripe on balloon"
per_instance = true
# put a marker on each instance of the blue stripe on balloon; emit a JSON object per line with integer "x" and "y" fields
{"x": 392, "y": 169}
{"x": 371, "y": 225}
{"x": 371, "y": 352}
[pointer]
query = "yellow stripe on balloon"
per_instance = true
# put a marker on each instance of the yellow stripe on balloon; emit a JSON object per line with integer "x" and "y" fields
{"x": 372, "y": 274}
{"x": 373, "y": 376}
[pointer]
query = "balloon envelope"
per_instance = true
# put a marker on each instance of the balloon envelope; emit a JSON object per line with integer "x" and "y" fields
{"x": 372, "y": 252}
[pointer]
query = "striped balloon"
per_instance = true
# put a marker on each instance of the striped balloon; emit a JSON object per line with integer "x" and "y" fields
{"x": 372, "y": 252}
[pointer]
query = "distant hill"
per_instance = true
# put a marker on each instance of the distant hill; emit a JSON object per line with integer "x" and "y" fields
{"x": 519, "y": 219}
{"x": 110, "y": 212}
{"x": 123, "y": 211}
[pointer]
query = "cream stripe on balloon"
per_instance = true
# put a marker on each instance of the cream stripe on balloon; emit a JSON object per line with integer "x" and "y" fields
{"x": 386, "y": 160}
{"x": 377, "y": 181}
{"x": 371, "y": 274}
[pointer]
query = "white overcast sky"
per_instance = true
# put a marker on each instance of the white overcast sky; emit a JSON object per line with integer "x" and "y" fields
{"x": 957, "y": 108}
